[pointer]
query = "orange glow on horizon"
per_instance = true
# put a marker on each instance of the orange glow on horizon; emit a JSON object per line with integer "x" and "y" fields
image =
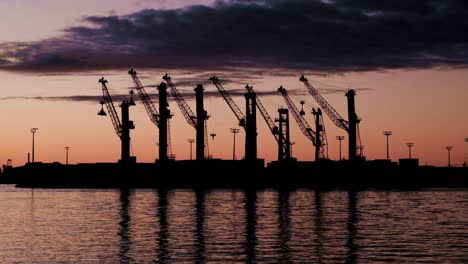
{"x": 426, "y": 107}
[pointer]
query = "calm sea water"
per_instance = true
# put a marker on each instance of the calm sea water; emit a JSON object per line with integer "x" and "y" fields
{"x": 301, "y": 226}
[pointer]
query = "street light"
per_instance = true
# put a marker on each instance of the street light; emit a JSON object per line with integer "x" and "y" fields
{"x": 387, "y": 133}
{"x": 234, "y": 132}
{"x": 449, "y": 148}
{"x": 190, "y": 140}
{"x": 340, "y": 138}
{"x": 33, "y": 131}
{"x": 410, "y": 145}
{"x": 66, "y": 155}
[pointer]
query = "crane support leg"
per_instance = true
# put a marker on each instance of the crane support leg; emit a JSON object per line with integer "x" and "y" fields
{"x": 318, "y": 131}
{"x": 125, "y": 138}
{"x": 284, "y": 146}
{"x": 201, "y": 117}
{"x": 251, "y": 126}
{"x": 352, "y": 117}
{"x": 164, "y": 114}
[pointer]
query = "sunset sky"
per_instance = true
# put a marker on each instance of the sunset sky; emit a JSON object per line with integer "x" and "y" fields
{"x": 405, "y": 59}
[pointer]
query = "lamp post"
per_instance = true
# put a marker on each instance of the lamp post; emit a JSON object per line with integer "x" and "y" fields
{"x": 387, "y": 133}
{"x": 449, "y": 148}
{"x": 190, "y": 140}
{"x": 410, "y": 145}
{"x": 33, "y": 131}
{"x": 340, "y": 138}
{"x": 234, "y": 131}
{"x": 66, "y": 155}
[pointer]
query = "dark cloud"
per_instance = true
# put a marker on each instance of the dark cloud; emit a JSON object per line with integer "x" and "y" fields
{"x": 117, "y": 98}
{"x": 300, "y": 35}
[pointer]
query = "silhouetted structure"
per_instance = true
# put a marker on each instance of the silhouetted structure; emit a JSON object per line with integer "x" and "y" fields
{"x": 66, "y": 155}
{"x": 340, "y": 138}
{"x": 313, "y": 136}
{"x": 320, "y": 136}
{"x": 190, "y": 141}
{"x": 160, "y": 120}
{"x": 350, "y": 126}
{"x": 449, "y": 148}
{"x": 33, "y": 131}
{"x": 251, "y": 125}
{"x": 190, "y": 116}
{"x": 387, "y": 134}
{"x": 284, "y": 149}
{"x": 164, "y": 115}
{"x": 234, "y": 131}
{"x": 410, "y": 145}
{"x": 122, "y": 129}
{"x": 248, "y": 123}
{"x": 271, "y": 125}
{"x": 202, "y": 116}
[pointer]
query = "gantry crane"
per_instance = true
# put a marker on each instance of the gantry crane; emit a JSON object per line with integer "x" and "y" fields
{"x": 248, "y": 121}
{"x": 198, "y": 122}
{"x": 282, "y": 137}
{"x": 161, "y": 120}
{"x": 350, "y": 126}
{"x": 122, "y": 129}
{"x": 314, "y": 136}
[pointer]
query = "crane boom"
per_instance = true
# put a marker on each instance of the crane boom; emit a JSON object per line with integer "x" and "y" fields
{"x": 110, "y": 107}
{"x": 186, "y": 111}
{"x": 273, "y": 128}
{"x": 300, "y": 120}
{"x": 235, "y": 109}
{"x": 149, "y": 106}
{"x": 331, "y": 112}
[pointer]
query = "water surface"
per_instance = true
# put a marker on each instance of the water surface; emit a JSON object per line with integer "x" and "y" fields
{"x": 233, "y": 226}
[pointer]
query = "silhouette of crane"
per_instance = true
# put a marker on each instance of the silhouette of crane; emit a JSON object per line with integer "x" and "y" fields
{"x": 283, "y": 143}
{"x": 161, "y": 120}
{"x": 351, "y": 126}
{"x": 198, "y": 124}
{"x": 235, "y": 109}
{"x": 122, "y": 129}
{"x": 314, "y": 136}
{"x": 249, "y": 122}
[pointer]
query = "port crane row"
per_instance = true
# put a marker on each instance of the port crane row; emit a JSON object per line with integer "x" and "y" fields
{"x": 279, "y": 127}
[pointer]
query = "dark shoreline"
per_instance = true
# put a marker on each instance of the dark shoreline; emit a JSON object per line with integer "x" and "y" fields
{"x": 228, "y": 174}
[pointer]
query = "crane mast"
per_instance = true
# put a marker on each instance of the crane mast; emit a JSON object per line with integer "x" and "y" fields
{"x": 235, "y": 109}
{"x": 107, "y": 100}
{"x": 300, "y": 120}
{"x": 149, "y": 106}
{"x": 321, "y": 136}
{"x": 266, "y": 116}
{"x": 331, "y": 112}
{"x": 186, "y": 111}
